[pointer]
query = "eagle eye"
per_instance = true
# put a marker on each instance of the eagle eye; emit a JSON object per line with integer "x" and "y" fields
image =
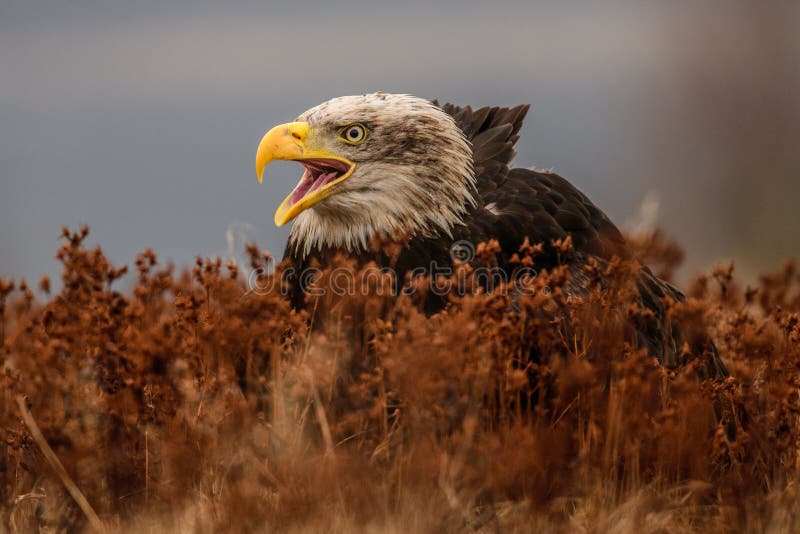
{"x": 354, "y": 134}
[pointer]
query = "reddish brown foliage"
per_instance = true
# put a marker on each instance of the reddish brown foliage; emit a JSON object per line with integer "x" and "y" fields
{"x": 190, "y": 402}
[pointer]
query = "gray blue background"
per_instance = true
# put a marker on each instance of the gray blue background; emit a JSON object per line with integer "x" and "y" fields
{"x": 142, "y": 118}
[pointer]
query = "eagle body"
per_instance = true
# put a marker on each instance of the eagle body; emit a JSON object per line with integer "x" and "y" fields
{"x": 435, "y": 202}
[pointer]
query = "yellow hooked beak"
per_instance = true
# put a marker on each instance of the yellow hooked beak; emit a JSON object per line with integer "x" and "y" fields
{"x": 294, "y": 141}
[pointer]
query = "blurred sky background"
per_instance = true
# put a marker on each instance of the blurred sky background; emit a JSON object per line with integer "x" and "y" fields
{"x": 142, "y": 118}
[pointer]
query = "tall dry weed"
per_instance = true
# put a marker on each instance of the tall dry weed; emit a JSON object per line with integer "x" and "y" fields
{"x": 188, "y": 402}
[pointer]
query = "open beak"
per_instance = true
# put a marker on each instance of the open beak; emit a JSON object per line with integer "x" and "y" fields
{"x": 323, "y": 170}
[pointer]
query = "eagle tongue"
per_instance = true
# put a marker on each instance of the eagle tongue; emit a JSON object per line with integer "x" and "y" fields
{"x": 324, "y": 179}
{"x": 311, "y": 181}
{"x": 306, "y": 184}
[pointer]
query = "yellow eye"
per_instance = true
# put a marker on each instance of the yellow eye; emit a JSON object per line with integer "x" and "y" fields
{"x": 355, "y": 134}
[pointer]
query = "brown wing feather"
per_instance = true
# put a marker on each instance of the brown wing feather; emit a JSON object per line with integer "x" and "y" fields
{"x": 516, "y": 203}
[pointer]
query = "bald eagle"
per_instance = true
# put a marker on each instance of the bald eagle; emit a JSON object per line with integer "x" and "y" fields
{"x": 394, "y": 164}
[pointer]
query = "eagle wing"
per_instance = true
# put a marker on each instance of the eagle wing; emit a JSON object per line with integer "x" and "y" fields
{"x": 516, "y": 203}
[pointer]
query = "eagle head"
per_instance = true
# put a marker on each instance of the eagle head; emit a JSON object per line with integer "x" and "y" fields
{"x": 381, "y": 162}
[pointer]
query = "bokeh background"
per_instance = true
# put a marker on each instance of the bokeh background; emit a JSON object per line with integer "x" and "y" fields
{"x": 141, "y": 119}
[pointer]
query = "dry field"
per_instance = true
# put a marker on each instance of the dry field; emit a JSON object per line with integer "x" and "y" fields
{"x": 166, "y": 401}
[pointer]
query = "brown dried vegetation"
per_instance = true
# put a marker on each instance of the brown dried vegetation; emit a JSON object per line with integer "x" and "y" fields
{"x": 190, "y": 403}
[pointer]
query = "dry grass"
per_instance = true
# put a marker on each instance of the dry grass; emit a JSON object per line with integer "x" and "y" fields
{"x": 188, "y": 404}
